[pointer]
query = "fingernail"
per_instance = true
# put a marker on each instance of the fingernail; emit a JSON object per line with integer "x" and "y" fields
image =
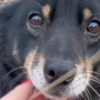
{"x": 26, "y": 82}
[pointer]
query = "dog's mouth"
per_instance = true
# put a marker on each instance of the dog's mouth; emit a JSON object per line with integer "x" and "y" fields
{"x": 71, "y": 88}
{"x": 70, "y": 91}
{"x": 67, "y": 82}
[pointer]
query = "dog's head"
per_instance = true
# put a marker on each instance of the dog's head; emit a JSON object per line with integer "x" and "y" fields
{"x": 51, "y": 37}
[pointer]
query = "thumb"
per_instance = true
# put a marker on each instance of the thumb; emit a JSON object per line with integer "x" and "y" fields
{"x": 21, "y": 92}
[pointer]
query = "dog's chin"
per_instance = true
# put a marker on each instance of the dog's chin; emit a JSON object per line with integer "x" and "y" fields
{"x": 57, "y": 93}
{"x": 60, "y": 92}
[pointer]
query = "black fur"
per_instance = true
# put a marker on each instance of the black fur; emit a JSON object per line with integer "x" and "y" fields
{"x": 61, "y": 37}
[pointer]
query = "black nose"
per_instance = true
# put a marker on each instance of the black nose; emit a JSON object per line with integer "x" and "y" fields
{"x": 55, "y": 69}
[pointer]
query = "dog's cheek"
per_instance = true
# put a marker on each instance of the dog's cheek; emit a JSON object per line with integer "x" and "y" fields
{"x": 29, "y": 62}
{"x": 34, "y": 65}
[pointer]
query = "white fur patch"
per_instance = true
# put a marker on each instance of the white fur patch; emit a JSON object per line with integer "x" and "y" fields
{"x": 37, "y": 76}
{"x": 75, "y": 88}
{"x": 78, "y": 85}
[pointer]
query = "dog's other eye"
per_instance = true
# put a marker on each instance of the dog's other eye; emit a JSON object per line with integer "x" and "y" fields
{"x": 94, "y": 27}
{"x": 36, "y": 19}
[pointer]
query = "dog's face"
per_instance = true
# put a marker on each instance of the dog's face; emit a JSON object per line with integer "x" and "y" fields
{"x": 51, "y": 37}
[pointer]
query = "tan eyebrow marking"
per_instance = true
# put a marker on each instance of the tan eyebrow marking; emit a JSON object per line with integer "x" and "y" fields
{"x": 87, "y": 14}
{"x": 46, "y": 11}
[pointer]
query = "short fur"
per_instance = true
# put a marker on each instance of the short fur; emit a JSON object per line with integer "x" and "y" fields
{"x": 63, "y": 37}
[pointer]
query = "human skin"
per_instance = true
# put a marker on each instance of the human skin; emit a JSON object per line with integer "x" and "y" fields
{"x": 23, "y": 92}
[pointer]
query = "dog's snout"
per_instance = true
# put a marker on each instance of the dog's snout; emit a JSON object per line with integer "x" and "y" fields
{"x": 55, "y": 69}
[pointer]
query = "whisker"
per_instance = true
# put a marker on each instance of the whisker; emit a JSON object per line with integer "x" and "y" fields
{"x": 95, "y": 78}
{"x": 95, "y": 81}
{"x": 14, "y": 70}
{"x": 93, "y": 90}
{"x": 16, "y": 78}
{"x": 74, "y": 94}
{"x": 19, "y": 76}
{"x": 89, "y": 94}
{"x": 11, "y": 71}
{"x": 55, "y": 83}
{"x": 82, "y": 96}
{"x": 93, "y": 72}
{"x": 36, "y": 3}
{"x": 77, "y": 66}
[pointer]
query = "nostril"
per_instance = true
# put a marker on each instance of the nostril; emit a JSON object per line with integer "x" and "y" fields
{"x": 64, "y": 83}
{"x": 51, "y": 73}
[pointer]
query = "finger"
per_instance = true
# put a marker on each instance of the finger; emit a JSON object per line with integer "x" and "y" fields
{"x": 21, "y": 92}
{"x": 36, "y": 96}
{"x": 41, "y": 97}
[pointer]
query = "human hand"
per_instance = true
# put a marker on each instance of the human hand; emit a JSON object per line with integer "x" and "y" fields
{"x": 21, "y": 92}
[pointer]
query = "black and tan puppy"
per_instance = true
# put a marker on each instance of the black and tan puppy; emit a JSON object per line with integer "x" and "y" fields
{"x": 49, "y": 38}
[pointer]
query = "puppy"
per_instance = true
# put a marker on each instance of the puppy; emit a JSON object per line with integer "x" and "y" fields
{"x": 44, "y": 39}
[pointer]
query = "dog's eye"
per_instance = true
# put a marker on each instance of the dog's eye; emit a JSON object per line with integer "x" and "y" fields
{"x": 36, "y": 19}
{"x": 94, "y": 27}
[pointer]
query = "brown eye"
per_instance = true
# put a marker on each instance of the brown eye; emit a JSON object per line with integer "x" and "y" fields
{"x": 94, "y": 27}
{"x": 36, "y": 19}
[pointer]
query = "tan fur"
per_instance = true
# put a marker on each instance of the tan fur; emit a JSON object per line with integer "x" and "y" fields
{"x": 87, "y": 14}
{"x": 29, "y": 59}
{"x": 46, "y": 11}
{"x": 85, "y": 66}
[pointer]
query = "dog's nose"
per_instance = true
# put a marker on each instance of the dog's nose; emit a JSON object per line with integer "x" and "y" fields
{"x": 55, "y": 69}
